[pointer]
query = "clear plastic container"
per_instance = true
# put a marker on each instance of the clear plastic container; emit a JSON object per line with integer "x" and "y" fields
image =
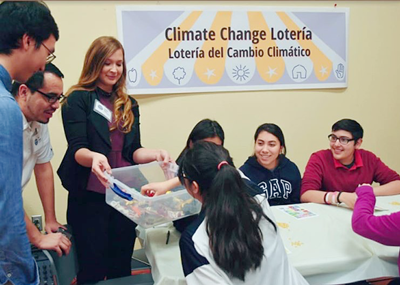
{"x": 149, "y": 211}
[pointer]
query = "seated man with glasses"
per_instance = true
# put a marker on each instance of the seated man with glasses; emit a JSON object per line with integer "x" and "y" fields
{"x": 38, "y": 99}
{"x": 332, "y": 175}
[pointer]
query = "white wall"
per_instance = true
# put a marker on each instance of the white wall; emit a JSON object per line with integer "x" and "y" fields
{"x": 305, "y": 116}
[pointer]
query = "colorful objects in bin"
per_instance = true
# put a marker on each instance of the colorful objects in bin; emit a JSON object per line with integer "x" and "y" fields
{"x": 144, "y": 210}
{"x": 147, "y": 214}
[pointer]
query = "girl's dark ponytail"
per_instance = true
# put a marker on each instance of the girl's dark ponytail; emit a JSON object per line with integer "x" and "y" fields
{"x": 232, "y": 215}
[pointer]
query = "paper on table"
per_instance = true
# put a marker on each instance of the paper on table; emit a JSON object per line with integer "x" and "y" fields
{"x": 297, "y": 211}
{"x": 377, "y": 208}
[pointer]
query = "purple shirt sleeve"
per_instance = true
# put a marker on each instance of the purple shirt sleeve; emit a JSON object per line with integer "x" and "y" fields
{"x": 382, "y": 229}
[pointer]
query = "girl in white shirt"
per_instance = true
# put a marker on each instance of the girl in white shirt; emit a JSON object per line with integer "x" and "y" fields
{"x": 234, "y": 240}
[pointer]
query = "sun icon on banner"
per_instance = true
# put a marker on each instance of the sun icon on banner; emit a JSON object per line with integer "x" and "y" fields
{"x": 241, "y": 73}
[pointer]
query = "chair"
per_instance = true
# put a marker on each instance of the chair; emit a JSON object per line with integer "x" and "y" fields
{"x": 67, "y": 268}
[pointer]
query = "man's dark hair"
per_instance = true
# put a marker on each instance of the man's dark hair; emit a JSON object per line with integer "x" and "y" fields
{"x": 350, "y": 126}
{"x": 37, "y": 79}
{"x": 25, "y": 17}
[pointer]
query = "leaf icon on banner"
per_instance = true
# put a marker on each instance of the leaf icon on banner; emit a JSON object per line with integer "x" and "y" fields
{"x": 179, "y": 74}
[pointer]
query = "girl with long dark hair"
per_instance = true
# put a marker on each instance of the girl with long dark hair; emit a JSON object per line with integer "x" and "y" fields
{"x": 270, "y": 169}
{"x": 234, "y": 240}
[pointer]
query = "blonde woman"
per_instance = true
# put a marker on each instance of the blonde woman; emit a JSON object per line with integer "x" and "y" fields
{"x": 101, "y": 124}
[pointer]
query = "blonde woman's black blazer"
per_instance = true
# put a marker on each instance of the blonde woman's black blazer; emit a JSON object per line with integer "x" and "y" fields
{"x": 84, "y": 128}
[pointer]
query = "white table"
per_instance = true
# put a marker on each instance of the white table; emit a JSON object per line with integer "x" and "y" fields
{"x": 323, "y": 248}
{"x": 164, "y": 258}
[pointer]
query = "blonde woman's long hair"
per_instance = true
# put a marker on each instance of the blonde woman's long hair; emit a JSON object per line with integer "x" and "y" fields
{"x": 99, "y": 51}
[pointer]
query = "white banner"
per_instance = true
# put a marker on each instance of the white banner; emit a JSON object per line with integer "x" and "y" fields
{"x": 174, "y": 49}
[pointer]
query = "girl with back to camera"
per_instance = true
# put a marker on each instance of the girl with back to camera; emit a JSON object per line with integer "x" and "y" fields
{"x": 234, "y": 240}
{"x": 270, "y": 169}
{"x": 101, "y": 124}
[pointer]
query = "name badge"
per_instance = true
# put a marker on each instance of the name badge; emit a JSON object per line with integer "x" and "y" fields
{"x": 102, "y": 110}
{"x": 36, "y": 139}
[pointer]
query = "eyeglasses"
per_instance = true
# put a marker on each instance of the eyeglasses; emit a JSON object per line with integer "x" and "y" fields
{"x": 51, "y": 55}
{"x": 343, "y": 140}
{"x": 184, "y": 176}
{"x": 50, "y": 97}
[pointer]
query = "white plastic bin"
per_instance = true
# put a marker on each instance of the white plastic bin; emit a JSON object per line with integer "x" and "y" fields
{"x": 149, "y": 211}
